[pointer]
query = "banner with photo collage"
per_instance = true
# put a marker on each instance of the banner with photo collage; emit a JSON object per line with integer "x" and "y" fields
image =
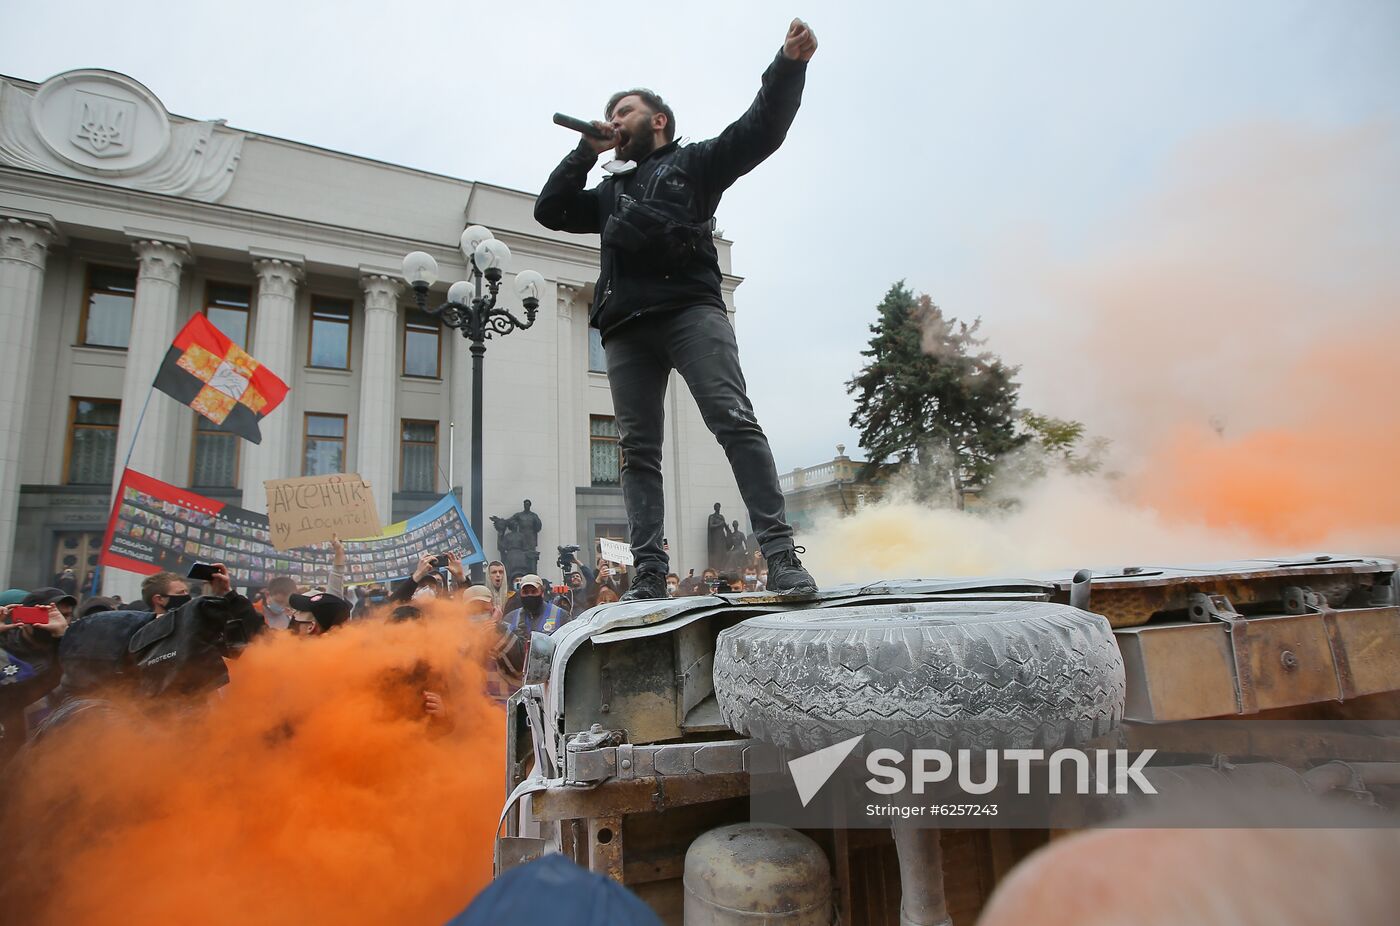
{"x": 157, "y": 526}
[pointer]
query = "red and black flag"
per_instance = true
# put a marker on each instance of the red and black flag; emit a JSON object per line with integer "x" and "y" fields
{"x": 214, "y": 376}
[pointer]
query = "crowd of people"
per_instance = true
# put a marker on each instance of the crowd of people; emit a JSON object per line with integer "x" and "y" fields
{"x": 61, "y": 654}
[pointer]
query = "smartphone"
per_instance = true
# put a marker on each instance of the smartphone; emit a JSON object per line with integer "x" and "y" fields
{"x": 202, "y": 571}
{"x": 29, "y": 614}
{"x": 440, "y": 561}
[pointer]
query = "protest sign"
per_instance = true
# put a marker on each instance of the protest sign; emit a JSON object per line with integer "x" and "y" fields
{"x": 313, "y": 509}
{"x": 615, "y": 551}
{"x": 156, "y": 526}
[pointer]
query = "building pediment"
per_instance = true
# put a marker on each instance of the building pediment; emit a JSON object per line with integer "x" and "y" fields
{"x": 99, "y": 125}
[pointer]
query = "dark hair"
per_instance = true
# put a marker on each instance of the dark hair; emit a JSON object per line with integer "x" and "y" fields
{"x": 654, "y": 103}
{"x": 405, "y": 612}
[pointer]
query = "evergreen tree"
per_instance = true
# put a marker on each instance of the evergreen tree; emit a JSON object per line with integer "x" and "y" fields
{"x": 1062, "y": 441}
{"x": 932, "y": 397}
{"x": 1059, "y": 444}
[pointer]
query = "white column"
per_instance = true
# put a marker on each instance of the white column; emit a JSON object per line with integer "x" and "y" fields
{"x": 378, "y": 428}
{"x": 152, "y": 330}
{"x": 23, "y": 250}
{"x": 571, "y": 437}
{"x": 274, "y": 335}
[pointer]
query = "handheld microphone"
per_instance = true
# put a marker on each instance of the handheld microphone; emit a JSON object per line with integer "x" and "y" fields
{"x": 580, "y": 126}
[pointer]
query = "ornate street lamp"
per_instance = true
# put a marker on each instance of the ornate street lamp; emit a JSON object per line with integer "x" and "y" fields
{"x": 475, "y": 314}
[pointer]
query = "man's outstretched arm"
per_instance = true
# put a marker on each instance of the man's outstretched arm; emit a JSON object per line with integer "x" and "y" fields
{"x": 760, "y": 131}
{"x": 563, "y": 204}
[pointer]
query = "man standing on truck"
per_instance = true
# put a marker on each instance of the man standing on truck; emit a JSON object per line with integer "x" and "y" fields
{"x": 658, "y": 303}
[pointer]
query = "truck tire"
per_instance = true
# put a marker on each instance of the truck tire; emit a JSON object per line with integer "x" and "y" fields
{"x": 948, "y": 675}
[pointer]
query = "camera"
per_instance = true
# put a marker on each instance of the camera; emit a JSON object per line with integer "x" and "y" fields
{"x": 566, "y": 557}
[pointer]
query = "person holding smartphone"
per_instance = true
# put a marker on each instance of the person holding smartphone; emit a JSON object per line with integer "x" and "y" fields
{"x": 426, "y": 582}
{"x": 32, "y": 668}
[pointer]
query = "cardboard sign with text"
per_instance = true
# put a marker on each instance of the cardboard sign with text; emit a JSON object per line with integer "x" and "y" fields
{"x": 312, "y": 509}
{"x": 615, "y": 551}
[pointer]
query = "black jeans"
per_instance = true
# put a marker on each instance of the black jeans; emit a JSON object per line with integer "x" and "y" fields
{"x": 698, "y": 342}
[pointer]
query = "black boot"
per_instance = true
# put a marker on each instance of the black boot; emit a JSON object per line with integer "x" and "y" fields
{"x": 648, "y": 584}
{"x": 786, "y": 575}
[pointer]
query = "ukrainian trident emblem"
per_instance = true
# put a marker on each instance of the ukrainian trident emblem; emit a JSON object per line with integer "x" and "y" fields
{"x": 102, "y": 125}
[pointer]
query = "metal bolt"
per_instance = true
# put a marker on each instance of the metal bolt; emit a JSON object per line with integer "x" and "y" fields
{"x": 597, "y": 727}
{"x": 1289, "y": 660}
{"x": 626, "y": 763}
{"x": 603, "y": 709}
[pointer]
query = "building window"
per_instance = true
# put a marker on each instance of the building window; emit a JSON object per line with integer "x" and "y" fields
{"x": 421, "y": 344}
{"x": 605, "y": 450}
{"x": 323, "y": 445}
{"x": 111, "y": 294}
{"x": 597, "y": 357}
{"x": 214, "y": 463}
{"x": 226, "y": 305}
{"x": 616, "y": 532}
{"x": 92, "y": 441}
{"x": 418, "y": 456}
{"x": 330, "y": 333}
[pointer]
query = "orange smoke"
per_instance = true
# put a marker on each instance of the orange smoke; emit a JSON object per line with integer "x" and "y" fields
{"x": 1319, "y": 468}
{"x": 310, "y": 790}
{"x": 1286, "y": 487}
{"x": 1236, "y": 334}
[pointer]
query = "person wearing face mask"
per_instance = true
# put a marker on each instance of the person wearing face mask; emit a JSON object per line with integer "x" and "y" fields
{"x": 274, "y": 607}
{"x": 426, "y": 582}
{"x": 164, "y": 591}
{"x": 317, "y": 613}
{"x": 535, "y": 615}
{"x": 673, "y": 585}
{"x": 181, "y": 652}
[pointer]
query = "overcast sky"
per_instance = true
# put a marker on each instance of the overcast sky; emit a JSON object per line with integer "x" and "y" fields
{"x": 932, "y": 138}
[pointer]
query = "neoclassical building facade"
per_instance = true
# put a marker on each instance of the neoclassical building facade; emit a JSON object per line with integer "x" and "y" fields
{"x": 118, "y": 221}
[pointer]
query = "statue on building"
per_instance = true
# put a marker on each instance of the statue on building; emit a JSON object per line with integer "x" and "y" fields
{"x": 738, "y": 550}
{"x": 718, "y": 536}
{"x": 529, "y": 525}
{"x": 518, "y": 541}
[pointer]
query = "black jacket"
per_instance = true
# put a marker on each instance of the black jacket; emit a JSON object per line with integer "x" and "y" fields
{"x": 182, "y": 652}
{"x": 94, "y": 653}
{"x": 38, "y": 649}
{"x": 662, "y": 256}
